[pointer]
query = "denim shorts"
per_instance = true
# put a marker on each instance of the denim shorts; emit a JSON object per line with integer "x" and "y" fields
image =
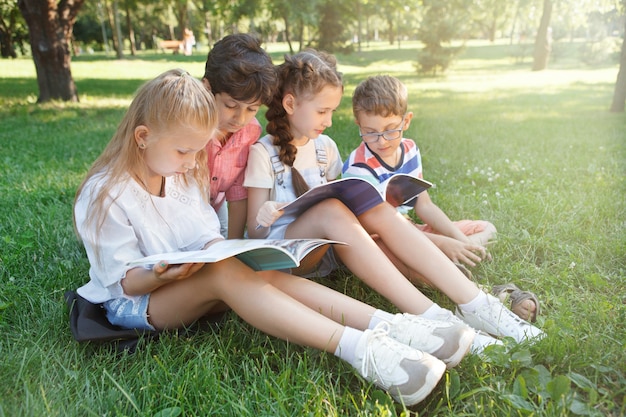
{"x": 129, "y": 312}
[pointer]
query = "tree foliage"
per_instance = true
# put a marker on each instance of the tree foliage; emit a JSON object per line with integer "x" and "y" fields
{"x": 490, "y": 16}
{"x": 296, "y": 16}
{"x": 334, "y": 19}
{"x": 332, "y": 25}
{"x": 13, "y": 33}
{"x": 444, "y": 21}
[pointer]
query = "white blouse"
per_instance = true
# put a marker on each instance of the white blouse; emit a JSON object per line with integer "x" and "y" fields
{"x": 139, "y": 224}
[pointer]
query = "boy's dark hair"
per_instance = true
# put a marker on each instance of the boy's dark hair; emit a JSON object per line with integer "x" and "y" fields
{"x": 239, "y": 67}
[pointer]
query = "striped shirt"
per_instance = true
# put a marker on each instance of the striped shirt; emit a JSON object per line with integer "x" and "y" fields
{"x": 365, "y": 164}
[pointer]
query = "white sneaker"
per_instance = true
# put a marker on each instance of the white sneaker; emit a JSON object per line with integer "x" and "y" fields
{"x": 494, "y": 318}
{"x": 444, "y": 340}
{"x": 481, "y": 339}
{"x": 408, "y": 374}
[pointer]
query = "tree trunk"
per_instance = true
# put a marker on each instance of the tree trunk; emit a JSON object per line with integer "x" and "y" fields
{"x": 493, "y": 26}
{"x": 50, "y": 31}
{"x": 543, "y": 42}
{"x": 111, "y": 20}
{"x": 359, "y": 28}
{"x": 117, "y": 29}
{"x": 619, "y": 96}
{"x": 101, "y": 16}
{"x": 131, "y": 31}
{"x": 181, "y": 7}
{"x": 391, "y": 34}
{"x": 301, "y": 34}
{"x": 288, "y": 34}
{"x": 514, "y": 24}
{"x": 208, "y": 30}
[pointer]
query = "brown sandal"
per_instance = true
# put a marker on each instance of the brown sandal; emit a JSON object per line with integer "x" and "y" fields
{"x": 517, "y": 297}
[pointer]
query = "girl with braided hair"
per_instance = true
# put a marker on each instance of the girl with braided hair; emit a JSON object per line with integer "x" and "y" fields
{"x": 296, "y": 155}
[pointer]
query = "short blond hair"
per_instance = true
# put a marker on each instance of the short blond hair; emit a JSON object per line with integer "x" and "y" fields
{"x": 381, "y": 95}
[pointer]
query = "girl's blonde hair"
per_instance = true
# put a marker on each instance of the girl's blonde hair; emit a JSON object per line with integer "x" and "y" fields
{"x": 303, "y": 75}
{"x": 172, "y": 99}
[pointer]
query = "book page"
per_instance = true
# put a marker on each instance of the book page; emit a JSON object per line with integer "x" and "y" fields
{"x": 259, "y": 254}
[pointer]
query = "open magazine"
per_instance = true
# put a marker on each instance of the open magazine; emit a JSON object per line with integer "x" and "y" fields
{"x": 359, "y": 195}
{"x": 258, "y": 254}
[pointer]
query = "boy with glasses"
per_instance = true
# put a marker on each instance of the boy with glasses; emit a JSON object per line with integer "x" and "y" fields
{"x": 379, "y": 105}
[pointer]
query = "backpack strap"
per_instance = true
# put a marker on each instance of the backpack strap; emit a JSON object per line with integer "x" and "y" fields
{"x": 277, "y": 166}
{"x": 322, "y": 158}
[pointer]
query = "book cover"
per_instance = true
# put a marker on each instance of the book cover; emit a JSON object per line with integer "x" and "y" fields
{"x": 359, "y": 195}
{"x": 403, "y": 189}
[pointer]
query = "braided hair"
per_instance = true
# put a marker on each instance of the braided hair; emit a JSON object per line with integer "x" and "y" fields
{"x": 303, "y": 75}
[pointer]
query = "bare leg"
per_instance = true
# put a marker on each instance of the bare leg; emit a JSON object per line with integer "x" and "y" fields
{"x": 251, "y": 297}
{"x": 362, "y": 256}
{"x": 411, "y": 247}
{"x": 332, "y": 304}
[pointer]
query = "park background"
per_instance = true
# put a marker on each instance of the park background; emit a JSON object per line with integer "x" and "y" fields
{"x": 538, "y": 153}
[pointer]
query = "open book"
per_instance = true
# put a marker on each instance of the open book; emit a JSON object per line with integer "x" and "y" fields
{"x": 258, "y": 254}
{"x": 360, "y": 195}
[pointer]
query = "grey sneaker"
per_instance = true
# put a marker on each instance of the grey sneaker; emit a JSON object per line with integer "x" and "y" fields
{"x": 494, "y": 318}
{"x": 408, "y": 374}
{"x": 481, "y": 339}
{"x": 444, "y": 340}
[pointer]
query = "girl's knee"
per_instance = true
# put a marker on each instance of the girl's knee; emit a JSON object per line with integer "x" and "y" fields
{"x": 224, "y": 272}
{"x": 332, "y": 211}
{"x": 333, "y": 206}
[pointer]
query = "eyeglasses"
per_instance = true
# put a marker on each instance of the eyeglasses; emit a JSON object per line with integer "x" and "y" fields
{"x": 392, "y": 134}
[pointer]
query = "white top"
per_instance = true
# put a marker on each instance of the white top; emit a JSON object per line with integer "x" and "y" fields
{"x": 260, "y": 173}
{"x": 139, "y": 224}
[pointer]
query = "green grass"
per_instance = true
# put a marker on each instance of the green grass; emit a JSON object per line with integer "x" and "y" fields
{"x": 538, "y": 154}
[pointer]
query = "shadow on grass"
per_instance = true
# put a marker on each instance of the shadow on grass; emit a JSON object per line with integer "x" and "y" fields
{"x": 95, "y": 87}
{"x": 151, "y": 56}
{"x": 18, "y": 89}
